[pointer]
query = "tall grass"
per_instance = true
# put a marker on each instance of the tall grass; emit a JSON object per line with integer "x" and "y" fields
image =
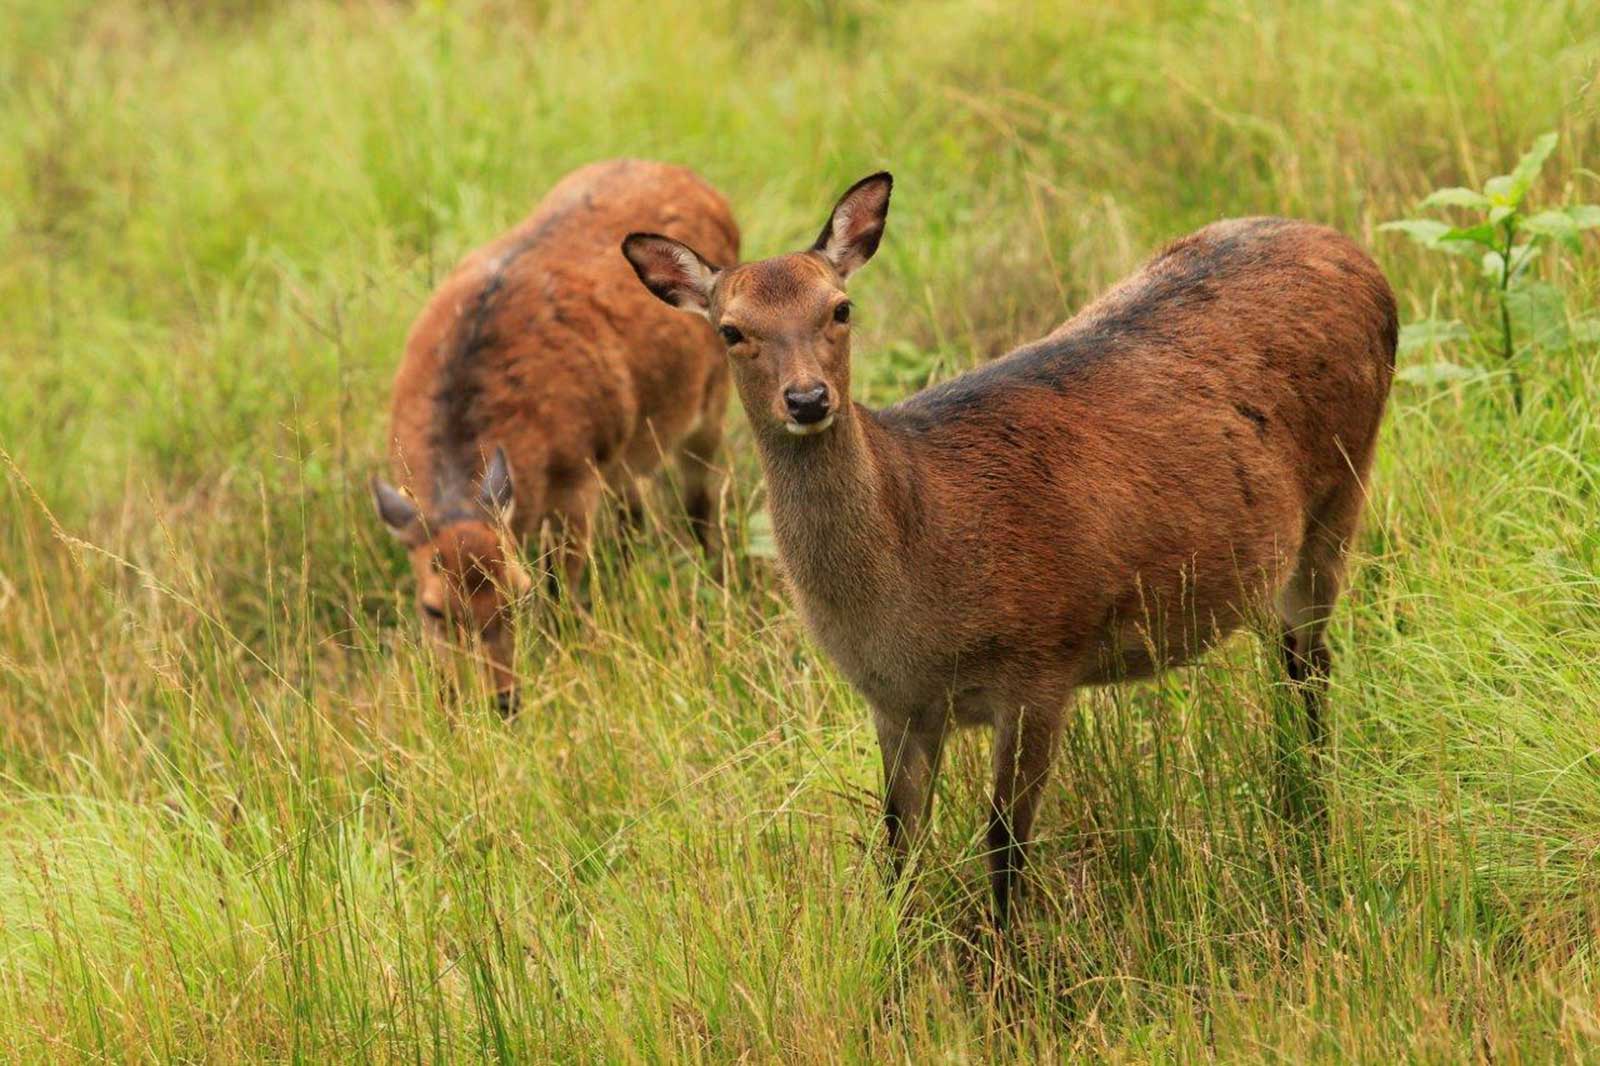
{"x": 238, "y": 818}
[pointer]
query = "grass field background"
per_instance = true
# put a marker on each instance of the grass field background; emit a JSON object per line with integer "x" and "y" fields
{"x": 237, "y": 819}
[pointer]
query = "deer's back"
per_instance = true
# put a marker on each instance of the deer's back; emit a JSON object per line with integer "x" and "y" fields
{"x": 1161, "y": 453}
{"x": 544, "y": 342}
{"x": 1283, "y": 328}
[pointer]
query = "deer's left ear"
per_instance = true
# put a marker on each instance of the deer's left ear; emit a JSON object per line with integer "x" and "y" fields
{"x": 856, "y": 225}
{"x": 672, "y": 270}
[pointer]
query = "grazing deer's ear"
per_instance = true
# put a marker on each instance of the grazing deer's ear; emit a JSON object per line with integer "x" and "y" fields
{"x": 495, "y": 491}
{"x": 856, "y": 225}
{"x": 672, "y": 270}
{"x": 397, "y": 512}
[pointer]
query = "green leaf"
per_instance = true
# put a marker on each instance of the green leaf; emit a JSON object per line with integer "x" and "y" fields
{"x": 1539, "y": 312}
{"x": 1584, "y": 216}
{"x": 1508, "y": 190}
{"x": 1557, "y": 224}
{"x": 1426, "y": 232}
{"x": 1521, "y": 256}
{"x": 1585, "y": 331}
{"x": 1528, "y": 167}
{"x": 1456, "y": 197}
{"x": 1432, "y": 331}
{"x": 1502, "y": 191}
{"x": 1482, "y": 233}
{"x": 1499, "y": 213}
{"x": 1440, "y": 373}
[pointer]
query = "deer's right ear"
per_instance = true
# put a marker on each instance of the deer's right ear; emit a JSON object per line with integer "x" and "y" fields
{"x": 396, "y": 510}
{"x": 496, "y": 492}
{"x": 672, "y": 270}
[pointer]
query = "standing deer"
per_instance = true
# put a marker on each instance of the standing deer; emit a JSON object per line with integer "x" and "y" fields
{"x": 1094, "y": 506}
{"x": 541, "y": 364}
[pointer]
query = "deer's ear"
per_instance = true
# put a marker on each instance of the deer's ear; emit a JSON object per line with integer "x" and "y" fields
{"x": 672, "y": 270}
{"x": 856, "y": 225}
{"x": 397, "y": 510}
{"x": 496, "y": 491}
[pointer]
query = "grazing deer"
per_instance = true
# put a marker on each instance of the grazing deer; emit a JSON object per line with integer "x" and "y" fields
{"x": 1096, "y": 505}
{"x": 540, "y": 375}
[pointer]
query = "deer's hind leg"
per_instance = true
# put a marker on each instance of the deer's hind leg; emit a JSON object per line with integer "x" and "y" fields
{"x": 702, "y": 482}
{"x": 627, "y": 497}
{"x": 1306, "y": 602}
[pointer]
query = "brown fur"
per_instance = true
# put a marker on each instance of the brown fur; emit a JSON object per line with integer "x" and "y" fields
{"x": 542, "y": 343}
{"x": 1106, "y": 501}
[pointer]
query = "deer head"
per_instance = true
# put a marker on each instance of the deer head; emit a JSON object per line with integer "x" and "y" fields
{"x": 466, "y": 568}
{"x": 785, "y": 321}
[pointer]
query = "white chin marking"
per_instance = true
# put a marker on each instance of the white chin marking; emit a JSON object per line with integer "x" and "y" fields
{"x": 809, "y": 430}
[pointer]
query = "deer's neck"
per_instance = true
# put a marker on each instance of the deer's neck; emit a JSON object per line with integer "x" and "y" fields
{"x": 836, "y": 502}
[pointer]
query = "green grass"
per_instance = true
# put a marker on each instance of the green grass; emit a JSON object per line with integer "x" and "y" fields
{"x": 237, "y": 820}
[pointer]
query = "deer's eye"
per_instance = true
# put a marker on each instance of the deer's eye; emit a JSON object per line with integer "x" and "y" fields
{"x": 730, "y": 335}
{"x": 841, "y": 314}
{"x": 433, "y": 611}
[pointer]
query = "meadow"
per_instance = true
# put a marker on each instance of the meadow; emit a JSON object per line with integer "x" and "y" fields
{"x": 240, "y": 819}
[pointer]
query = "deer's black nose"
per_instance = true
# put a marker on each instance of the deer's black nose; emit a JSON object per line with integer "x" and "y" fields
{"x": 807, "y": 406}
{"x": 508, "y": 702}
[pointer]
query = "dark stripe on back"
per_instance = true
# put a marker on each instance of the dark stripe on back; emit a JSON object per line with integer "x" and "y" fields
{"x": 456, "y": 432}
{"x": 1179, "y": 282}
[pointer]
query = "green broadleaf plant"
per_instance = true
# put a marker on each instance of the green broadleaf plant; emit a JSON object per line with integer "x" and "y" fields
{"x": 1505, "y": 238}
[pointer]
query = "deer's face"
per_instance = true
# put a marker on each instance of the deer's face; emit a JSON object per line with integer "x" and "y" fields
{"x": 786, "y": 321}
{"x": 468, "y": 584}
{"x": 468, "y": 577}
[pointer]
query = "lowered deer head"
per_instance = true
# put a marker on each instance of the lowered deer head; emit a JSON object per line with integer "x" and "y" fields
{"x": 467, "y": 571}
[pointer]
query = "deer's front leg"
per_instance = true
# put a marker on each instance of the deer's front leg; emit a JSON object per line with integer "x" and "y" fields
{"x": 1025, "y": 735}
{"x": 910, "y": 763}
